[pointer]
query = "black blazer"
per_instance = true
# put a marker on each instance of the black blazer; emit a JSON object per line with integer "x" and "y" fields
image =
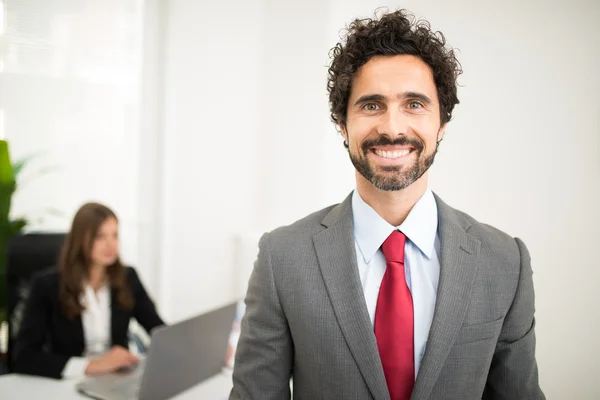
{"x": 47, "y": 338}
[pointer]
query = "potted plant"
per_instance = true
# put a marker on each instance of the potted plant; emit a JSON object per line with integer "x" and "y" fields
{"x": 8, "y": 227}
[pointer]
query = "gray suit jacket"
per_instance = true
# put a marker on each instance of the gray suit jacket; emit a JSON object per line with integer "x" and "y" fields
{"x": 306, "y": 317}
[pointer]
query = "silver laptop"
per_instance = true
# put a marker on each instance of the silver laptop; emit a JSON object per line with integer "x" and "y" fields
{"x": 180, "y": 356}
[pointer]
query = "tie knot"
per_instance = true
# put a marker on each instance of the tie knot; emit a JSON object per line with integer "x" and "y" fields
{"x": 393, "y": 247}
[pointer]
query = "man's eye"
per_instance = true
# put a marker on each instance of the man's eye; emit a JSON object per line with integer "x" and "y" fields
{"x": 371, "y": 107}
{"x": 415, "y": 105}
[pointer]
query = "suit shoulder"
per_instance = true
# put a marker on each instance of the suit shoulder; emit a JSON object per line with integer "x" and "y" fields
{"x": 132, "y": 275}
{"x": 484, "y": 230}
{"x": 305, "y": 227}
{"x": 493, "y": 240}
{"x": 297, "y": 236}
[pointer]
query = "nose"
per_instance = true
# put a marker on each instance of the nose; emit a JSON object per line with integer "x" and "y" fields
{"x": 393, "y": 123}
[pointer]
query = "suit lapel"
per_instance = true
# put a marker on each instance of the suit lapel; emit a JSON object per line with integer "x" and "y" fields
{"x": 118, "y": 321}
{"x": 458, "y": 270}
{"x": 337, "y": 259}
{"x": 79, "y": 336}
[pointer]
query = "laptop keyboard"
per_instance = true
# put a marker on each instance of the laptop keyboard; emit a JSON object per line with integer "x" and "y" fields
{"x": 128, "y": 387}
{"x": 125, "y": 385}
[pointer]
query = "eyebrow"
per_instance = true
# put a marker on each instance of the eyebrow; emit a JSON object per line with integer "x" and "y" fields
{"x": 402, "y": 96}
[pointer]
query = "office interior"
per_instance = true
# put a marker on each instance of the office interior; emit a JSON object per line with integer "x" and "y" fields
{"x": 204, "y": 124}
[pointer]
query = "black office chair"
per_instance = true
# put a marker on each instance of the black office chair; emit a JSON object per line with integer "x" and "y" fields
{"x": 26, "y": 255}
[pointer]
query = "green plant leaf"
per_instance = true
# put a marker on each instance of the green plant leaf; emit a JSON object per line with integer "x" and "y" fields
{"x": 17, "y": 225}
{"x": 18, "y": 166}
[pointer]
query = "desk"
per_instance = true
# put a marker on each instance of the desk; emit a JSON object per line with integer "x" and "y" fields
{"x": 23, "y": 387}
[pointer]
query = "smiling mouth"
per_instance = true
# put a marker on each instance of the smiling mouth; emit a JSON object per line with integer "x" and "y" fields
{"x": 392, "y": 154}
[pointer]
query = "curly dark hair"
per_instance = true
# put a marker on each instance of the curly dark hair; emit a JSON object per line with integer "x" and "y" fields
{"x": 395, "y": 33}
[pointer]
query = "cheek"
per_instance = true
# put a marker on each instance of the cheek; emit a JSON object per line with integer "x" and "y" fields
{"x": 427, "y": 130}
{"x": 98, "y": 248}
{"x": 358, "y": 134}
{"x": 96, "y": 252}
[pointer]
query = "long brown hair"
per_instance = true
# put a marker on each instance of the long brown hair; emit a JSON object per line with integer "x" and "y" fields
{"x": 75, "y": 261}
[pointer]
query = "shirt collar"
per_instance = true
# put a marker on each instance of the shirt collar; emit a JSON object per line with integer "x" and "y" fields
{"x": 420, "y": 226}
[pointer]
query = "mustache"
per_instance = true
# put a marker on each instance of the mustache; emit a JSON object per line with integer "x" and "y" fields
{"x": 415, "y": 143}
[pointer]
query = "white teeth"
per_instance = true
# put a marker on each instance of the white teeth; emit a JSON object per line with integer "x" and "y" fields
{"x": 391, "y": 154}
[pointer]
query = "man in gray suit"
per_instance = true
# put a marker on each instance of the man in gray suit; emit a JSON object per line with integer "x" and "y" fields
{"x": 391, "y": 294}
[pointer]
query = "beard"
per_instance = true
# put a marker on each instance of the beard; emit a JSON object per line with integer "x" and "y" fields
{"x": 392, "y": 177}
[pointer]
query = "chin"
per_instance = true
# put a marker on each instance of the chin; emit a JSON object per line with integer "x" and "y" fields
{"x": 109, "y": 261}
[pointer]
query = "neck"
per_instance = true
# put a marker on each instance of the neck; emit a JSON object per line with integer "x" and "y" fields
{"x": 392, "y": 206}
{"x": 97, "y": 275}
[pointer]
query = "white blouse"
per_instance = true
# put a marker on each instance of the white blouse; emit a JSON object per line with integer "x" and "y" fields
{"x": 95, "y": 319}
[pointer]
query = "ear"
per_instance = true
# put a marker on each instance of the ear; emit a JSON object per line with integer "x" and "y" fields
{"x": 441, "y": 132}
{"x": 344, "y": 134}
{"x": 343, "y": 131}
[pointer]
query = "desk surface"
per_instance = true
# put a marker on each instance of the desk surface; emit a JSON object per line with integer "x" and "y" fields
{"x": 15, "y": 386}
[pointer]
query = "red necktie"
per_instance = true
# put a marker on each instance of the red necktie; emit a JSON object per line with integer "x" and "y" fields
{"x": 394, "y": 325}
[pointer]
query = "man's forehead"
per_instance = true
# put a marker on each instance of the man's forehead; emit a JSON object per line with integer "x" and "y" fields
{"x": 391, "y": 75}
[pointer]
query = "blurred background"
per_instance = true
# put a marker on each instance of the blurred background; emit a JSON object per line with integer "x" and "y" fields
{"x": 204, "y": 124}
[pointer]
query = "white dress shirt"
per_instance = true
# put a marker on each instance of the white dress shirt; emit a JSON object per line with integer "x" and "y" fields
{"x": 421, "y": 260}
{"x": 95, "y": 319}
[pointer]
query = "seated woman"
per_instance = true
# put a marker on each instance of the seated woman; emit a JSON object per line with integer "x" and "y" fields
{"x": 76, "y": 318}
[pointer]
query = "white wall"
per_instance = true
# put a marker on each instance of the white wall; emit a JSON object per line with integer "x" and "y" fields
{"x": 293, "y": 111}
{"x": 211, "y": 86}
{"x": 69, "y": 92}
{"x": 243, "y": 139}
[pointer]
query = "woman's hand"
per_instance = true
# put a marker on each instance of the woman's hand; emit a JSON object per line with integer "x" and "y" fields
{"x": 118, "y": 357}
